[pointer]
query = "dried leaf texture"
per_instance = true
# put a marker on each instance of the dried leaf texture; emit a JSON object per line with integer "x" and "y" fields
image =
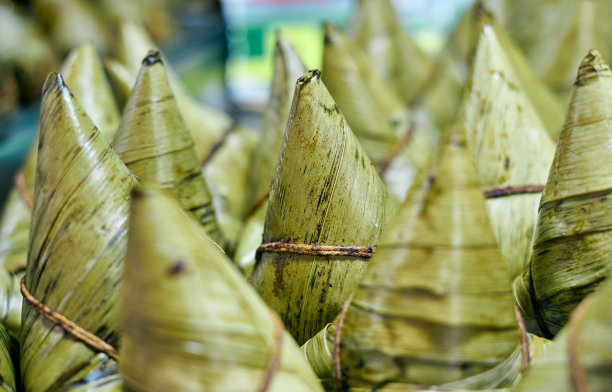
{"x": 400, "y": 63}
{"x": 376, "y": 114}
{"x": 326, "y": 192}
{"x": 83, "y": 72}
{"x": 9, "y": 354}
{"x": 190, "y": 320}
{"x": 581, "y": 351}
{"x": 77, "y": 246}
{"x": 574, "y": 233}
{"x": 288, "y": 67}
{"x": 206, "y": 125}
{"x": 510, "y": 147}
{"x": 435, "y": 304}
{"x": 155, "y": 145}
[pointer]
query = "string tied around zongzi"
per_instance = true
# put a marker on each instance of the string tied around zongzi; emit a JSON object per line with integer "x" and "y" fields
{"x": 217, "y": 146}
{"x": 576, "y": 370}
{"x": 275, "y": 355}
{"x": 71, "y": 327}
{"x": 513, "y": 190}
{"x": 340, "y": 379}
{"x": 316, "y": 249}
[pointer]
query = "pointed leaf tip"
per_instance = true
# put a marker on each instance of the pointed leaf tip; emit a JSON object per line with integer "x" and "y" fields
{"x": 54, "y": 79}
{"x": 313, "y": 74}
{"x": 153, "y": 56}
{"x": 591, "y": 67}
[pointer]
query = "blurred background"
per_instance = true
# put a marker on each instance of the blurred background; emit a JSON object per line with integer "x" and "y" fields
{"x": 222, "y": 49}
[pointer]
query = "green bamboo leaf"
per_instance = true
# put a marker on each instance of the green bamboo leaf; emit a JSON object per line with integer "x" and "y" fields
{"x": 9, "y": 358}
{"x": 441, "y": 96}
{"x": 77, "y": 243}
{"x": 207, "y": 125}
{"x": 431, "y": 257}
{"x": 400, "y": 63}
{"x": 70, "y": 23}
{"x": 574, "y": 234}
{"x": 376, "y": 114}
{"x": 190, "y": 320}
{"x": 288, "y": 67}
{"x": 121, "y": 80}
{"x": 439, "y": 256}
{"x": 251, "y": 234}
{"x": 545, "y": 103}
{"x": 580, "y": 353}
{"x": 14, "y": 228}
{"x": 510, "y": 146}
{"x": 229, "y": 192}
{"x": 10, "y": 301}
{"x": 325, "y": 192}
{"x": 83, "y": 72}
{"x": 580, "y": 31}
{"x": 155, "y": 145}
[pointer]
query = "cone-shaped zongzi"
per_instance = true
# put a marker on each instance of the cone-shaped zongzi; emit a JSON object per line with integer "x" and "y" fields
{"x": 75, "y": 256}
{"x": 328, "y": 208}
{"x": 155, "y": 144}
{"x": 207, "y": 125}
{"x": 573, "y": 238}
{"x": 511, "y": 148}
{"x": 545, "y": 103}
{"x": 84, "y": 74}
{"x": 288, "y": 67}
{"x": 579, "y": 27}
{"x": 400, "y": 63}
{"x": 441, "y": 97}
{"x": 376, "y": 114}
{"x": 435, "y": 304}
{"x": 190, "y": 320}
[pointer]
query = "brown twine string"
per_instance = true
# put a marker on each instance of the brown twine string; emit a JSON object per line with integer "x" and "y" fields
{"x": 526, "y": 359}
{"x": 316, "y": 250}
{"x": 512, "y": 190}
{"x": 219, "y": 144}
{"x": 256, "y": 203}
{"x": 397, "y": 148}
{"x": 579, "y": 380}
{"x": 23, "y": 190}
{"x": 274, "y": 360}
{"x": 78, "y": 332}
{"x": 337, "y": 342}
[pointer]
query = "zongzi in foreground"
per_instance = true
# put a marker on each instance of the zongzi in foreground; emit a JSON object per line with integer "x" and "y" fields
{"x": 573, "y": 240}
{"x": 190, "y": 320}
{"x": 328, "y": 208}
